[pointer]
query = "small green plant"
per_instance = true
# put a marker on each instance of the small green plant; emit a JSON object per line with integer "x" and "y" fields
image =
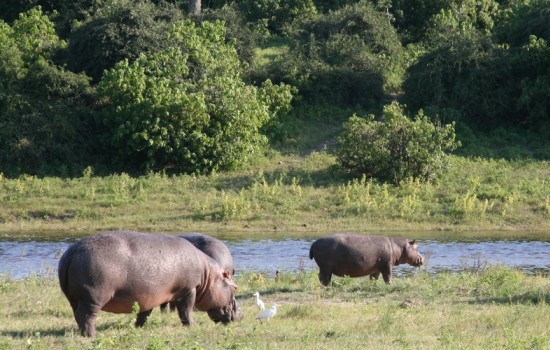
{"x": 397, "y": 147}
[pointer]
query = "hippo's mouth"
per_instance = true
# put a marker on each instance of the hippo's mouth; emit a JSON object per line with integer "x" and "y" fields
{"x": 227, "y": 314}
{"x": 419, "y": 261}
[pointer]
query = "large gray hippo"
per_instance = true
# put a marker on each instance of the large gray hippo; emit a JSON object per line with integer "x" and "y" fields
{"x": 357, "y": 255}
{"x": 212, "y": 247}
{"x": 111, "y": 271}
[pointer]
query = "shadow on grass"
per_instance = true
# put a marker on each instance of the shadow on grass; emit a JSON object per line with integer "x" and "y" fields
{"x": 32, "y": 333}
{"x": 330, "y": 176}
{"x": 528, "y": 298}
{"x": 62, "y": 331}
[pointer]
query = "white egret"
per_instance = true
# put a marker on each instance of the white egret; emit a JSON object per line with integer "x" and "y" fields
{"x": 259, "y": 302}
{"x": 267, "y": 314}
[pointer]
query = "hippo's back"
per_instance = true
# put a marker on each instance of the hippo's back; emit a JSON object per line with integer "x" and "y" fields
{"x": 212, "y": 247}
{"x": 346, "y": 244}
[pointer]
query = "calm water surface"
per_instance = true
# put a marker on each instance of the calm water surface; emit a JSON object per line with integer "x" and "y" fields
{"x": 20, "y": 259}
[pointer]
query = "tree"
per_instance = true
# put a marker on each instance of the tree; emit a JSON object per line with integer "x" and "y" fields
{"x": 44, "y": 113}
{"x": 117, "y": 31}
{"x": 195, "y": 7}
{"x": 186, "y": 107}
{"x": 487, "y": 85}
{"x": 343, "y": 57}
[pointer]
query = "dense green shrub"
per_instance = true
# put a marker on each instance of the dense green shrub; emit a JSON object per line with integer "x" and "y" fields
{"x": 121, "y": 30}
{"x": 468, "y": 74}
{"x": 237, "y": 30}
{"x": 274, "y": 15}
{"x": 44, "y": 113}
{"x": 10, "y": 10}
{"x": 343, "y": 57}
{"x": 412, "y": 17}
{"x": 488, "y": 85}
{"x": 396, "y": 147}
{"x": 522, "y": 20}
{"x": 186, "y": 107}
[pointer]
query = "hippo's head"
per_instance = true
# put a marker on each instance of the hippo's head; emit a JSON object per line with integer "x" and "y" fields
{"x": 226, "y": 314}
{"x": 411, "y": 255}
{"x": 219, "y": 301}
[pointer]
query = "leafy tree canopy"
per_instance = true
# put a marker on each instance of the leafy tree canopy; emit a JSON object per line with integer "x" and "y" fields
{"x": 43, "y": 109}
{"x": 186, "y": 106}
{"x": 120, "y": 30}
{"x": 344, "y": 56}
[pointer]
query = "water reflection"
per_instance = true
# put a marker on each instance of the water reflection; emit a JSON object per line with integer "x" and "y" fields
{"x": 20, "y": 259}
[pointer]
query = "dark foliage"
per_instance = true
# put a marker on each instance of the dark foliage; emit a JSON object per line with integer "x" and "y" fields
{"x": 121, "y": 31}
{"x": 237, "y": 30}
{"x": 524, "y": 20}
{"x": 45, "y": 125}
{"x": 342, "y": 57}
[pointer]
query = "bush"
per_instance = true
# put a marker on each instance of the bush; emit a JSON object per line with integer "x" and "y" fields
{"x": 187, "y": 107}
{"x": 237, "y": 29}
{"x": 343, "y": 57}
{"x": 118, "y": 31}
{"x": 523, "y": 20}
{"x": 488, "y": 85}
{"x": 396, "y": 147}
{"x": 44, "y": 110}
{"x": 273, "y": 15}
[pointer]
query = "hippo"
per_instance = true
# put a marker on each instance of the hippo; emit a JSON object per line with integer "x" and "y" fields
{"x": 212, "y": 247}
{"x": 112, "y": 271}
{"x": 357, "y": 255}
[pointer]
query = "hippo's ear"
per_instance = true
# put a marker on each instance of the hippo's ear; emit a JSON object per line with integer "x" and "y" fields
{"x": 413, "y": 242}
{"x": 225, "y": 275}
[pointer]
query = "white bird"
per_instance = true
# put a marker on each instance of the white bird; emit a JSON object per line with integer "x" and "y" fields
{"x": 259, "y": 302}
{"x": 267, "y": 314}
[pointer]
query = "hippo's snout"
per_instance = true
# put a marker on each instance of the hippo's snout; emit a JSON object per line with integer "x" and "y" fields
{"x": 225, "y": 315}
{"x": 419, "y": 261}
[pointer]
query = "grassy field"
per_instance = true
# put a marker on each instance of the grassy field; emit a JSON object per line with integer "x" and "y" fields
{"x": 287, "y": 194}
{"x": 492, "y": 308}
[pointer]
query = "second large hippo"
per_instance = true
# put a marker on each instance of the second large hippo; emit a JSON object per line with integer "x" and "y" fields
{"x": 212, "y": 247}
{"x": 357, "y": 255}
{"x": 112, "y": 271}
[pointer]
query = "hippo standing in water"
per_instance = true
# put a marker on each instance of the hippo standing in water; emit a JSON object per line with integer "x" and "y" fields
{"x": 212, "y": 247}
{"x": 357, "y": 255}
{"x": 111, "y": 271}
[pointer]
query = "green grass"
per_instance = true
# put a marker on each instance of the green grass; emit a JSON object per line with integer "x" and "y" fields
{"x": 492, "y": 308}
{"x": 283, "y": 194}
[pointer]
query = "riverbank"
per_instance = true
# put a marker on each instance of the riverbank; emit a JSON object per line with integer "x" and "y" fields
{"x": 282, "y": 194}
{"x": 494, "y": 307}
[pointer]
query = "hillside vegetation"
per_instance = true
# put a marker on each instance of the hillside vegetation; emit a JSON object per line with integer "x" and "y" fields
{"x": 303, "y": 114}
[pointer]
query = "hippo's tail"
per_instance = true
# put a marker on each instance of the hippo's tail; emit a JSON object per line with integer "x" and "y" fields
{"x": 311, "y": 251}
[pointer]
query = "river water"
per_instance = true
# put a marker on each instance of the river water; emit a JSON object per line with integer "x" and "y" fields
{"x": 24, "y": 258}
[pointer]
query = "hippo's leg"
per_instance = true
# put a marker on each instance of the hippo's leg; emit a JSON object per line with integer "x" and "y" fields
{"x": 74, "y": 306}
{"x": 374, "y": 276}
{"x": 163, "y": 307}
{"x": 142, "y": 318}
{"x": 185, "y": 307}
{"x": 85, "y": 315}
{"x": 386, "y": 274}
{"x": 325, "y": 277}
